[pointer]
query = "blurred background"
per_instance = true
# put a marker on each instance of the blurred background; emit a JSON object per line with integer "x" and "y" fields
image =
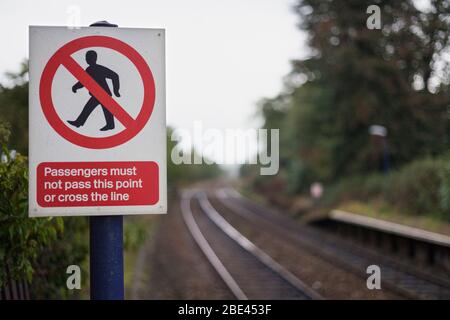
{"x": 363, "y": 116}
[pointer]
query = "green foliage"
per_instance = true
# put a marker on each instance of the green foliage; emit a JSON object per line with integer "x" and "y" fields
{"x": 353, "y": 78}
{"x": 420, "y": 188}
{"x": 445, "y": 188}
{"x": 14, "y": 108}
{"x": 71, "y": 247}
{"x": 5, "y": 132}
{"x": 36, "y": 249}
{"x": 360, "y": 187}
{"x": 415, "y": 188}
{"x": 135, "y": 232}
{"x": 21, "y": 238}
{"x": 368, "y": 78}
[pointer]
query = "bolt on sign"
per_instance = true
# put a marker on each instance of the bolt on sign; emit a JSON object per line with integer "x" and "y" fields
{"x": 97, "y": 121}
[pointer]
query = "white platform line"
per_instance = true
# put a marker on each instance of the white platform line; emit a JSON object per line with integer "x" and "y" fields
{"x": 390, "y": 227}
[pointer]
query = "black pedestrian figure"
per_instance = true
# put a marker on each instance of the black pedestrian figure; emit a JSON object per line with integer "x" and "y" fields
{"x": 99, "y": 73}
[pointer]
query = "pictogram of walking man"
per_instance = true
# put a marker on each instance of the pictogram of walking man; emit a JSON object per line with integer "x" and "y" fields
{"x": 99, "y": 73}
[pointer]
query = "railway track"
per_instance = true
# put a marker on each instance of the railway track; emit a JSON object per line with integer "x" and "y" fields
{"x": 248, "y": 271}
{"x": 396, "y": 275}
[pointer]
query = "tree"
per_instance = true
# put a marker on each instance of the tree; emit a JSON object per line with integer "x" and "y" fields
{"x": 21, "y": 238}
{"x": 355, "y": 77}
{"x": 14, "y": 108}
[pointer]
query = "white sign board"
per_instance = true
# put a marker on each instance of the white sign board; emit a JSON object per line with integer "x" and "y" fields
{"x": 97, "y": 122}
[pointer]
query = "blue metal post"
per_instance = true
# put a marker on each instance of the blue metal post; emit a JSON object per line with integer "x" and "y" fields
{"x": 106, "y": 248}
{"x": 106, "y": 258}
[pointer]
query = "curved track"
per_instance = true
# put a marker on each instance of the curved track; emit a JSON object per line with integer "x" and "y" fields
{"x": 396, "y": 275}
{"x": 248, "y": 271}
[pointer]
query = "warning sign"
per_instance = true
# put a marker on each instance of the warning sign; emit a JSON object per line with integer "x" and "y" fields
{"x": 97, "y": 121}
{"x": 99, "y": 94}
{"x": 77, "y": 184}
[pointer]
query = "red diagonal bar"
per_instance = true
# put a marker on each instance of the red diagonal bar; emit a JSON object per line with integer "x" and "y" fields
{"x": 99, "y": 93}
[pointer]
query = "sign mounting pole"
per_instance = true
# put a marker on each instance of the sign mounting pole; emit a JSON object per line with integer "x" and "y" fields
{"x": 106, "y": 248}
{"x": 80, "y": 166}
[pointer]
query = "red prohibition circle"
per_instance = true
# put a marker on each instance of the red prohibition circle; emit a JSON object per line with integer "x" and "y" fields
{"x": 57, "y": 60}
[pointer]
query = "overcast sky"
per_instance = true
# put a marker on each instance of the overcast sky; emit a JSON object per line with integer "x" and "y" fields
{"x": 222, "y": 56}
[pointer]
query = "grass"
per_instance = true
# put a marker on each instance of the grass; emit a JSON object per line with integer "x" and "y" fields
{"x": 137, "y": 230}
{"x": 384, "y": 211}
{"x": 130, "y": 257}
{"x": 376, "y": 209}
